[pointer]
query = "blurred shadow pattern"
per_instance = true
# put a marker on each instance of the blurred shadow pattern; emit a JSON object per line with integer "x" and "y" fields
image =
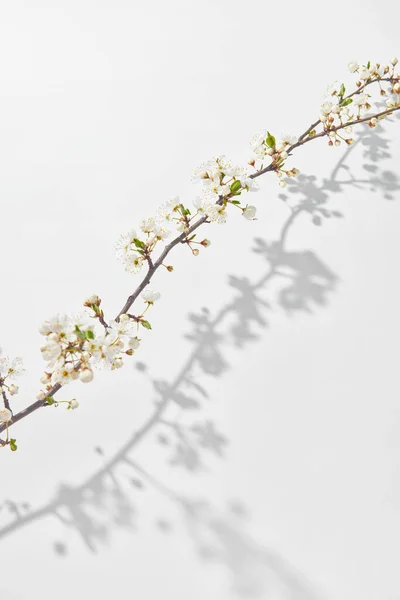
{"x": 105, "y": 501}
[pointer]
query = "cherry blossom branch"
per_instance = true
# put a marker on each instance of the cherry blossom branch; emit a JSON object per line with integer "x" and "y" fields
{"x": 72, "y": 347}
{"x": 172, "y": 389}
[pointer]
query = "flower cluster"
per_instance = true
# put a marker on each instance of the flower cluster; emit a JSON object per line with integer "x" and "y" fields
{"x": 222, "y": 183}
{"x": 74, "y": 346}
{"x": 265, "y": 145}
{"x": 340, "y": 112}
{"x": 134, "y": 248}
{"x": 10, "y": 370}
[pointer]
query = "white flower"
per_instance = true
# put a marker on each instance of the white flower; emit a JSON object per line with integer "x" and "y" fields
{"x": 353, "y": 66}
{"x": 360, "y": 99}
{"x": 250, "y": 184}
{"x": 289, "y": 139}
{"x": 51, "y": 351}
{"x": 392, "y": 101}
{"x": 134, "y": 343}
{"x": 86, "y": 375}
{"x": 333, "y": 88}
{"x": 364, "y": 73}
{"x": 124, "y": 243}
{"x": 60, "y": 324}
{"x": 202, "y": 204}
{"x": 161, "y": 232}
{"x": 5, "y": 415}
{"x": 150, "y": 296}
{"x": 11, "y": 369}
{"x": 147, "y": 225}
{"x": 63, "y": 374}
{"x": 133, "y": 263}
{"x": 13, "y": 389}
{"x": 249, "y": 212}
{"x": 17, "y": 368}
{"x": 73, "y": 404}
{"x": 258, "y": 144}
{"x": 217, "y": 214}
{"x": 123, "y": 327}
{"x": 326, "y": 108}
{"x": 379, "y": 71}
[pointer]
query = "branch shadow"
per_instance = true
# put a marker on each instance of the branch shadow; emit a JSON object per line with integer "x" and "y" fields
{"x": 303, "y": 283}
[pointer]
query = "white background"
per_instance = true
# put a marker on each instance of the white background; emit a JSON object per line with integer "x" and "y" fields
{"x": 106, "y": 107}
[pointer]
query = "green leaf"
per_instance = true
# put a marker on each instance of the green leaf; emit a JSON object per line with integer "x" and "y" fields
{"x": 368, "y": 64}
{"x": 236, "y": 186}
{"x": 49, "y": 400}
{"x": 90, "y": 334}
{"x": 184, "y": 211}
{"x": 145, "y": 324}
{"x": 346, "y": 102}
{"x": 13, "y": 445}
{"x": 270, "y": 140}
{"x": 139, "y": 243}
{"x": 235, "y": 201}
{"x": 342, "y": 90}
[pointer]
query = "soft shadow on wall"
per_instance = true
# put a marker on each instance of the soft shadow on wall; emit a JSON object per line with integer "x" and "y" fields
{"x": 106, "y": 500}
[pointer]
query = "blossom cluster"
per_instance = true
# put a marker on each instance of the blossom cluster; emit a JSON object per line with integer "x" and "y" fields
{"x": 222, "y": 183}
{"x": 10, "y": 370}
{"x": 134, "y": 248}
{"x": 265, "y": 146}
{"x": 74, "y": 346}
{"x": 340, "y": 112}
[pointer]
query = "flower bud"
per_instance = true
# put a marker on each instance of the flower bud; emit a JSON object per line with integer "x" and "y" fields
{"x": 45, "y": 378}
{"x": 394, "y": 61}
{"x": 86, "y": 376}
{"x": 195, "y": 251}
{"x": 206, "y": 243}
{"x": 5, "y": 415}
{"x": 41, "y": 395}
{"x": 13, "y": 389}
{"x": 73, "y": 404}
{"x": 93, "y": 299}
{"x": 249, "y": 212}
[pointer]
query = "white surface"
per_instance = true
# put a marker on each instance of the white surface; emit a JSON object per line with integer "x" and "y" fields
{"x": 106, "y": 109}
